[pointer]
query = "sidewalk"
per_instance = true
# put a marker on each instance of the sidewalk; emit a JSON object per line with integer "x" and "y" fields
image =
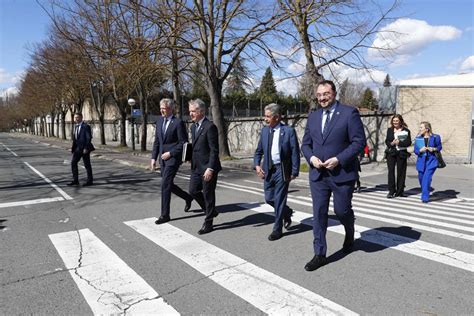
{"x": 454, "y": 182}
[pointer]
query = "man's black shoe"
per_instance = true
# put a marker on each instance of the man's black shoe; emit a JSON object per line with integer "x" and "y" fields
{"x": 400, "y": 195}
{"x": 73, "y": 183}
{"x": 162, "y": 220}
{"x": 390, "y": 195}
{"x": 187, "y": 207}
{"x": 275, "y": 236}
{"x": 316, "y": 263}
{"x": 88, "y": 184}
{"x": 348, "y": 244}
{"x": 206, "y": 228}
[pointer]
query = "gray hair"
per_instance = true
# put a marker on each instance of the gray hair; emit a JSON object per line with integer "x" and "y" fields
{"x": 274, "y": 108}
{"x": 169, "y": 103}
{"x": 199, "y": 104}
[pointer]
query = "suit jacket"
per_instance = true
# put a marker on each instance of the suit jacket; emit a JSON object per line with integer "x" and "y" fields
{"x": 83, "y": 140}
{"x": 391, "y": 136}
{"x": 344, "y": 139}
{"x": 289, "y": 152}
{"x": 172, "y": 141}
{"x": 205, "y": 147}
{"x": 428, "y": 160}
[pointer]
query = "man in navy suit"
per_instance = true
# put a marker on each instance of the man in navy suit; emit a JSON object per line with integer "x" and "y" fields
{"x": 333, "y": 138}
{"x": 279, "y": 147}
{"x": 205, "y": 163}
{"x": 170, "y": 136}
{"x": 81, "y": 148}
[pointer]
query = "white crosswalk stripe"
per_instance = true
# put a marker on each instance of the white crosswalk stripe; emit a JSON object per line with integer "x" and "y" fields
{"x": 266, "y": 291}
{"x": 444, "y": 255}
{"x": 107, "y": 283}
{"x": 370, "y": 206}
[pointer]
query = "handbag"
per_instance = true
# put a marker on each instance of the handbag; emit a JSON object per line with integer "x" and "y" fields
{"x": 391, "y": 151}
{"x": 439, "y": 157}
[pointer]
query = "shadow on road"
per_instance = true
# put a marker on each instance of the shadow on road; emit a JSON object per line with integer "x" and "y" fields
{"x": 379, "y": 239}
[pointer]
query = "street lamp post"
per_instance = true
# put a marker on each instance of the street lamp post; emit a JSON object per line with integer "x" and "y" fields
{"x": 132, "y": 102}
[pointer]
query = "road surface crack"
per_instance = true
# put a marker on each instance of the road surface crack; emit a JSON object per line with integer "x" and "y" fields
{"x": 104, "y": 292}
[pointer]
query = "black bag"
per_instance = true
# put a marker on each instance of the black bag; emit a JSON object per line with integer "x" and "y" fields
{"x": 439, "y": 157}
{"x": 391, "y": 151}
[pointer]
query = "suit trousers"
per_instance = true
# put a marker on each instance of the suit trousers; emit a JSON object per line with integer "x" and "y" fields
{"x": 342, "y": 196}
{"x": 276, "y": 193}
{"x": 204, "y": 192}
{"x": 397, "y": 186}
{"x": 425, "y": 177}
{"x": 167, "y": 187}
{"x": 86, "y": 158}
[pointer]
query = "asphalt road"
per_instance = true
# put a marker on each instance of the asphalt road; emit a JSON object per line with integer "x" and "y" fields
{"x": 86, "y": 250}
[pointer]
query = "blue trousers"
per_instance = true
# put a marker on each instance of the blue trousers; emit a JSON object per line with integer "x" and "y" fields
{"x": 425, "y": 177}
{"x": 276, "y": 193}
{"x": 342, "y": 197}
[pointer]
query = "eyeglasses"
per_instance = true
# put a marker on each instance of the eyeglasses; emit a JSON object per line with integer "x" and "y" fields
{"x": 325, "y": 94}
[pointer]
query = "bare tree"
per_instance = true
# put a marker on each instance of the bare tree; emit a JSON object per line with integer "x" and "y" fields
{"x": 335, "y": 33}
{"x": 220, "y": 31}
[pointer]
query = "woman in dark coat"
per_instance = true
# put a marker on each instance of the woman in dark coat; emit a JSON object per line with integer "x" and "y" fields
{"x": 398, "y": 140}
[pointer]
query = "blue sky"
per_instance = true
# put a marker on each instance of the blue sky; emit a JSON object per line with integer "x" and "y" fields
{"x": 439, "y": 40}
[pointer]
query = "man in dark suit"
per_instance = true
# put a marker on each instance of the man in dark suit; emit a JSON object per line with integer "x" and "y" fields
{"x": 205, "y": 163}
{"x": 279, "y": 147}
{"x": 81, "y": 148}
{"x": 170, "y": 136}
{"x": 333, "y": 138}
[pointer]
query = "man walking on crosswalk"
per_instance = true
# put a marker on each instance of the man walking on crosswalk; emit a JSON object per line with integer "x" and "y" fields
{"x": 333, "y": 138}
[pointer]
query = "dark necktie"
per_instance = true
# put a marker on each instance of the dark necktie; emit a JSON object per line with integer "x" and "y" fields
{"x": 76, "y": 132}
{"x": 326, "y": 124}
{"x": 164, "y": 126}
{"x": 196, "y": 128}
{"x": 270, "y": 144}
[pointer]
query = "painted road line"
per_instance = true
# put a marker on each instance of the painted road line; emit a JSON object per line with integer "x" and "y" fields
{"x": 264, "y": 290}
{"x": 392, "y": 213}
{"x": 296, "y": 200}
{"x": 64, "y": 194}
{"x": 433, "y": 252}
{"x": 107, "y": 283}
{"x": 31, "y": 202}
{"x": 415, "y": 200}
{"x": 11, "y": 151}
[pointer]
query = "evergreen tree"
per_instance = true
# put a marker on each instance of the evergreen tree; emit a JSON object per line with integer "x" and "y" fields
{"x": 368, "y": 100}
{"x": 235, "y": 83}
{"x": 268, "y": 89}
{"x": 198, "y": 89}
{"x": 386, "y": 82}
{"x": 343, "y": 91}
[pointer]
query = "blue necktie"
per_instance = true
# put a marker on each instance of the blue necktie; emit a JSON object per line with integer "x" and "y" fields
{"x": 164, "y": 126}
{"x": 326, "y": 124}
{"x": 270, "y": 144}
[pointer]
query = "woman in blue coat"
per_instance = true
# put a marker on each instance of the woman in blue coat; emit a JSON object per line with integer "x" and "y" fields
{"x": 426, "y": 144}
